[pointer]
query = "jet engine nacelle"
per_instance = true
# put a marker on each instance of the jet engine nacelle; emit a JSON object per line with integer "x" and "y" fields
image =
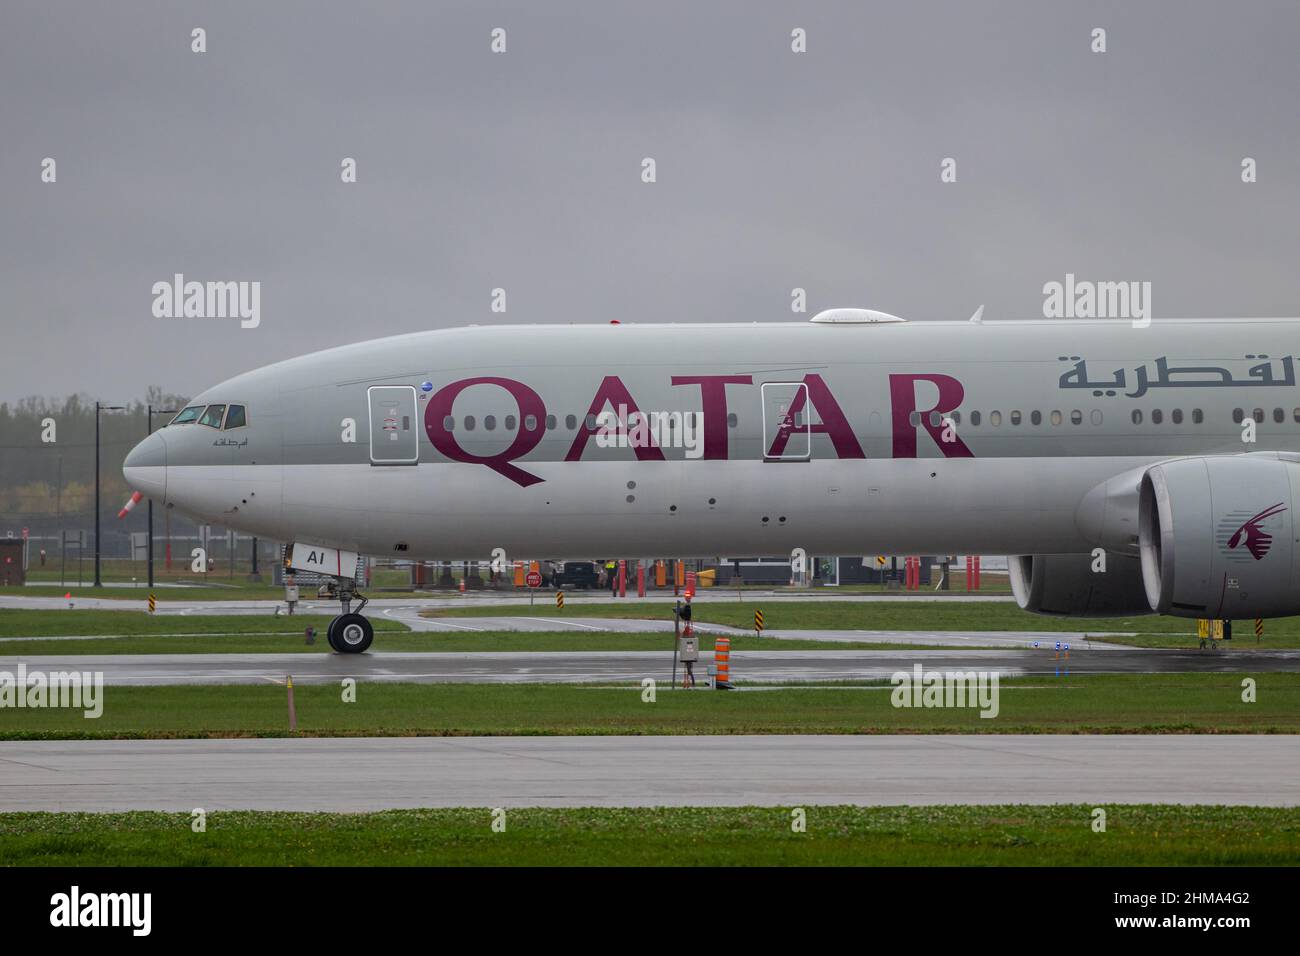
{"x": 1067, "y": 584}
{"x": 1217, "y": 537}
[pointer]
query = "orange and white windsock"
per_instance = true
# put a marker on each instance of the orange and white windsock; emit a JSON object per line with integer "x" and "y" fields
{"x": 130, "y": 503}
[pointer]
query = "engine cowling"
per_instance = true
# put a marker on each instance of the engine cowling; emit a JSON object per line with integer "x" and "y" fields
{"x": 1217, "y": 537}
{"x": 1067, "y": 585}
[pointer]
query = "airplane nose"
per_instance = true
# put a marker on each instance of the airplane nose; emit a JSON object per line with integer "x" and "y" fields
{"x": 145, "y": 468}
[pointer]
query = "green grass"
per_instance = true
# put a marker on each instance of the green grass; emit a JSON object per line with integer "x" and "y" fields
{"x": 1150, "y": 630}
{"x": 139, "y": 633}
{"x": 1243, "y": 640}
{"x": 1167, "y": 703}
{"x": 57, "y": 623}
{"x": 135, "y": 632}
{"x": 1059, "y": 835}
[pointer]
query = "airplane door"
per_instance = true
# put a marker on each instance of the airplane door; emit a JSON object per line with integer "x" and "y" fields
{"x": 394, "y": 425}
{"x": 787, "y": 430}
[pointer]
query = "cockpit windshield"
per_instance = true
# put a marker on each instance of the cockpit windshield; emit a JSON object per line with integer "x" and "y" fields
{"x": 212, "y": 417}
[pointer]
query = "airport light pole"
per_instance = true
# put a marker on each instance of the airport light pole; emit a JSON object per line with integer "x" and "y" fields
{"x": 99, "y": 407}
{"x": 149, "y": 431}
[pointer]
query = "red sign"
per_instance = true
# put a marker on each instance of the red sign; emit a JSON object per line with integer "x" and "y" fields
{"x": 533, "y": 579}
{"x": 690, "y": 585}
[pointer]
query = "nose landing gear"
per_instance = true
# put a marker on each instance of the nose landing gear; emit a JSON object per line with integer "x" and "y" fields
{"x": 350, "y": 632}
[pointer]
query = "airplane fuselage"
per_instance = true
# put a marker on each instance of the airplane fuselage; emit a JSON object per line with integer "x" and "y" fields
{"x": 572, "y": 441}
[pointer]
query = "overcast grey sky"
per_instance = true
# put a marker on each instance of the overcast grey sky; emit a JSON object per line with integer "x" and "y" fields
{"x": 523, "y": 170}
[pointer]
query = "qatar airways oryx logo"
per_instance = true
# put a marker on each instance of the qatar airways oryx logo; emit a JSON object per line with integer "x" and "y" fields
{"x": 179, "y": 299}
{"x": 1250, "y": 534}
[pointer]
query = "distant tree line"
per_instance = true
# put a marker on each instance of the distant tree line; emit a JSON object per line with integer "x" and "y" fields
{"x": 42, "y": 479}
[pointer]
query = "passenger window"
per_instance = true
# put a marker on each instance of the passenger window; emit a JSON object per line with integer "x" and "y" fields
{"x": 956, "y": 417}
{"x": 1259, "y": 415}
{"x": 732, "y": 420}
{"x": 449, "y": 422}
{"x": 1096, "y": 416}
{"x": 591, "y": 421}
{"x": 1157, "y": 416}
{"x": 1279, "y": 416}
{"x": 1057, "y": 418}
{"x": 1198, "y": 416}
{"x": 995, "y": 418}
{"x": 212, "y": 417}
{"x": 1137, "y": 416}
{"x": 550, "y": 422}
{"x": 570, "y": 422}
{"x": 914, "y": 419}
{"x": 1177, "y": 416}
{"x": 188, "y": 415}
{"x": 1036, "y": 417}
{"x": 510, "y": 423}
{"x": 1015, "y": 417}
{"x": 1296, "y": 414}
{"x": 1076, "y": 417}
{"x": 1237, "y": 416}
{"x": 975, "y": 418}
{"x": 530, "y": 423}
{"x": 235, "y": 418}
{"x": 469, "y": 423}
{"x": 490, "y": 422}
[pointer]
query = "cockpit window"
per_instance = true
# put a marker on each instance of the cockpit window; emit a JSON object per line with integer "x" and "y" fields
{"x": 235, "y": 418}
{"x": 187, "y": 415}
{"x": 213, "y": 415}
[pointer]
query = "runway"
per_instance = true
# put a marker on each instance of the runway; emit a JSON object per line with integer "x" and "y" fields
{"x": 365, "y": 774}
{"x": 629, "y": 666}
{"x": 1020, "y": 639}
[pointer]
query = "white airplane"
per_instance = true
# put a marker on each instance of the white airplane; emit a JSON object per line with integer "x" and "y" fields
{"x": 1125, "y": 470}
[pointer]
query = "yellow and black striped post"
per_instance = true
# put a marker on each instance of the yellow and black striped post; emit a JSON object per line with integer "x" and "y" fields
{"x": 758, "y": 623}
{"x": 559, "y": 600}
{"x": 1259, "y": 629}
{"x": 293, "y": 711}
{"x": 153, "y": 604}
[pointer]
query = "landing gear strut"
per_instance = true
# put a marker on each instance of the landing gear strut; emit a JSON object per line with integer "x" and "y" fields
{"x": 349, "y": 633}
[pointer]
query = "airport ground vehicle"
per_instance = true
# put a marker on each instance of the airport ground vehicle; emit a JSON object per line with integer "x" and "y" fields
{"x": 575, "y": 574}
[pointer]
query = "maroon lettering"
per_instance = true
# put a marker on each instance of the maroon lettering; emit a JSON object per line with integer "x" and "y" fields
{"x": 902, "y": 399}
{"x": 833, "y": 423}
{"x": 613, "y": 391}
{"x": 530, "y": 404}
{"x": 713, "y": 402}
